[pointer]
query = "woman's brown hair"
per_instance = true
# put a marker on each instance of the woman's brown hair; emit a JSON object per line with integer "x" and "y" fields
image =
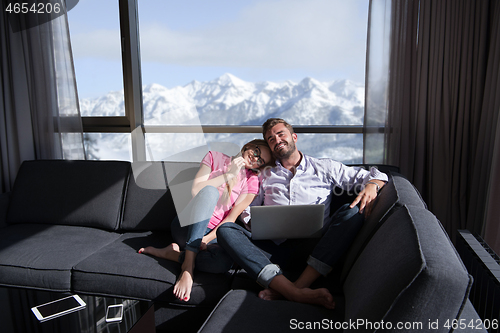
{"x": 226, "y": 195}
{"x": 259, "y": 142}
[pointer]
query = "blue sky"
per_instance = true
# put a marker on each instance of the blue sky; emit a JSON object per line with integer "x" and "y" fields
{"x": 181, "y": 41}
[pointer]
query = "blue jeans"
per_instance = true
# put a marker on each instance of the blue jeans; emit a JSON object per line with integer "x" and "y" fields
{"x": 197, "y": 214}
{"x": 263, "y": 260}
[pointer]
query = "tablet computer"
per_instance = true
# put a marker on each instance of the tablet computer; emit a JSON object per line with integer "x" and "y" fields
{"x": 58, "y": 308}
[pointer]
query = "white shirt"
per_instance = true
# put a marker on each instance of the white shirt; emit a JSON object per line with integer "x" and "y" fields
{"x": 315, "y": 181}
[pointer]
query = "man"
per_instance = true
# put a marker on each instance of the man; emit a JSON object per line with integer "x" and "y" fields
{"x": 301, "y": 179}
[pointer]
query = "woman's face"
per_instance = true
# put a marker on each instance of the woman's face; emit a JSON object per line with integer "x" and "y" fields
{"x": 256, "y": 156}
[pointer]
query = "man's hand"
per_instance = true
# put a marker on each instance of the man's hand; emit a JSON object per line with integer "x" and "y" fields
{"x": 366, "y": 197}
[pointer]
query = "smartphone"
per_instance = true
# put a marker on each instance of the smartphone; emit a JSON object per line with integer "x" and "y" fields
{"x": 114, "y": 313}
{"x": 58, "y": 308}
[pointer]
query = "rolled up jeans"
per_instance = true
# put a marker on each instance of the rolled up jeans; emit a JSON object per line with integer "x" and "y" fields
{"x": 197, "y": 215}
{"x": 262, "y": 259}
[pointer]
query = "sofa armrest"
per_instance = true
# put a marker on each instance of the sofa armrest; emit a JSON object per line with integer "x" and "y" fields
{"x": 469, "y": 320}
{"x": 4, "y": 206}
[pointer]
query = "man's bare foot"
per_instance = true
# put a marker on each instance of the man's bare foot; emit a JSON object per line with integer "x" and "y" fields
{"x": 314, "y": 296}
{"x": 170, "y": 252}
{"x": 301, "y": 295}
{"x": 270, "y": 294}
{"x": 182, "y": 288}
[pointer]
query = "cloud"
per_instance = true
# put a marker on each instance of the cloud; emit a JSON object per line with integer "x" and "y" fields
{"x": 313, "y": 34}
{"x": 97, "y": 44}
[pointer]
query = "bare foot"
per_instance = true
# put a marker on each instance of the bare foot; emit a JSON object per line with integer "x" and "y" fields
{"x": 315, "y": 296}
{"x": 182, "y": 288}
{"x": 303, "y": 295}
{"x": 170, "y": 252}
{"x": 270, "y": 294}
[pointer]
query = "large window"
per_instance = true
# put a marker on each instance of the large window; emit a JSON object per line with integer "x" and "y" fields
{"x": 210, "y": 65}
{"x": 95, "y": 41}
{"x": 96, "y": 44}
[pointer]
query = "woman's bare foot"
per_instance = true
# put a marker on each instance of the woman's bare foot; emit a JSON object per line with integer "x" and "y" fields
{"x": 182, "y": 288}
{"x": 170, "y": 252}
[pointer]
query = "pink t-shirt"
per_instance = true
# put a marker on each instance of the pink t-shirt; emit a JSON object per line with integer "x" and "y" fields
{"x": 248, "y": 182}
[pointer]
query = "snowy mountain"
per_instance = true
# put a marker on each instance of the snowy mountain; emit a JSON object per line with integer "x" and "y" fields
{"x": 229, "y": 100}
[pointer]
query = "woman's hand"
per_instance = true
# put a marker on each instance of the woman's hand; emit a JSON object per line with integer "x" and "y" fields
{"x": 207, "y": 239}
{"x": 237, "y": 164}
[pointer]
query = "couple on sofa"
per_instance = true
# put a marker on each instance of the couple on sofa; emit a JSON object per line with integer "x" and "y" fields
{"x": 225, "y": 186}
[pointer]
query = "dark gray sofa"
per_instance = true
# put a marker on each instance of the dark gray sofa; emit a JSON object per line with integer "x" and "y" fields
{"x": 76, "y": 226}
{"x": 402, "y": 274}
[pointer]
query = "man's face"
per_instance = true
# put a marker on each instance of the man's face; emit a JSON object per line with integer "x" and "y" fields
{"x": 281, "y": 142}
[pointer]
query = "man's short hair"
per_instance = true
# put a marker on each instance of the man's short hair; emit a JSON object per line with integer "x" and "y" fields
{"x": 271, "y": 122}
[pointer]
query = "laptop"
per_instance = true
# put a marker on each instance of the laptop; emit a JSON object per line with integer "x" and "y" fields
{"x": 291, "y": 221}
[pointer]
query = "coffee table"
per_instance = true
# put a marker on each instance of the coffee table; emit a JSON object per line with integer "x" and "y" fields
{"x": 16, "y": 315}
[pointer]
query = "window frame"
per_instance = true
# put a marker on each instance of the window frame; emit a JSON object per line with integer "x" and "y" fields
{"x": 134, "y": 116}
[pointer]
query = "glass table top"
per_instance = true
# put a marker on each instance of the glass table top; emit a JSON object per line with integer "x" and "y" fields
{"x": 16, "y": 315}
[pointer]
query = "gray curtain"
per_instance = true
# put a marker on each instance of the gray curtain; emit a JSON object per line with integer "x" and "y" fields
{"x": 442, "y": 105}
{"x": 490, "y": 134}
{"x": 39, "y": 110}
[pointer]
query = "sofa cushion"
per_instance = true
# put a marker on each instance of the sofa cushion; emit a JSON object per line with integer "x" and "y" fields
{"x": 157, "y": 191}
{"x": 408, "y": 272}
{"x": 243, "y": 311}
{"x": 84, "y": 193}
{"x": 148, "y": 203}
{"x": 119, "y": 270}
{"x": 398, "y": 191}
{"x": 180, "y": 176}
{"x": 42, "y": 256}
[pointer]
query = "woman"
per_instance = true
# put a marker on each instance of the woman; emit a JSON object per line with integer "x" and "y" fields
{"x": 223, "y": 187}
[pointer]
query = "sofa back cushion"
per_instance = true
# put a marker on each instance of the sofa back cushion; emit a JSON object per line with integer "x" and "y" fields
{"x": 408, "y": 272}
{"x": 157, "y": 191}
{"x": 148, "y": 203}
{"x": 397, "y": 192}
{"x": 79, "y": 193}
{"x": 180, "y": 176}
